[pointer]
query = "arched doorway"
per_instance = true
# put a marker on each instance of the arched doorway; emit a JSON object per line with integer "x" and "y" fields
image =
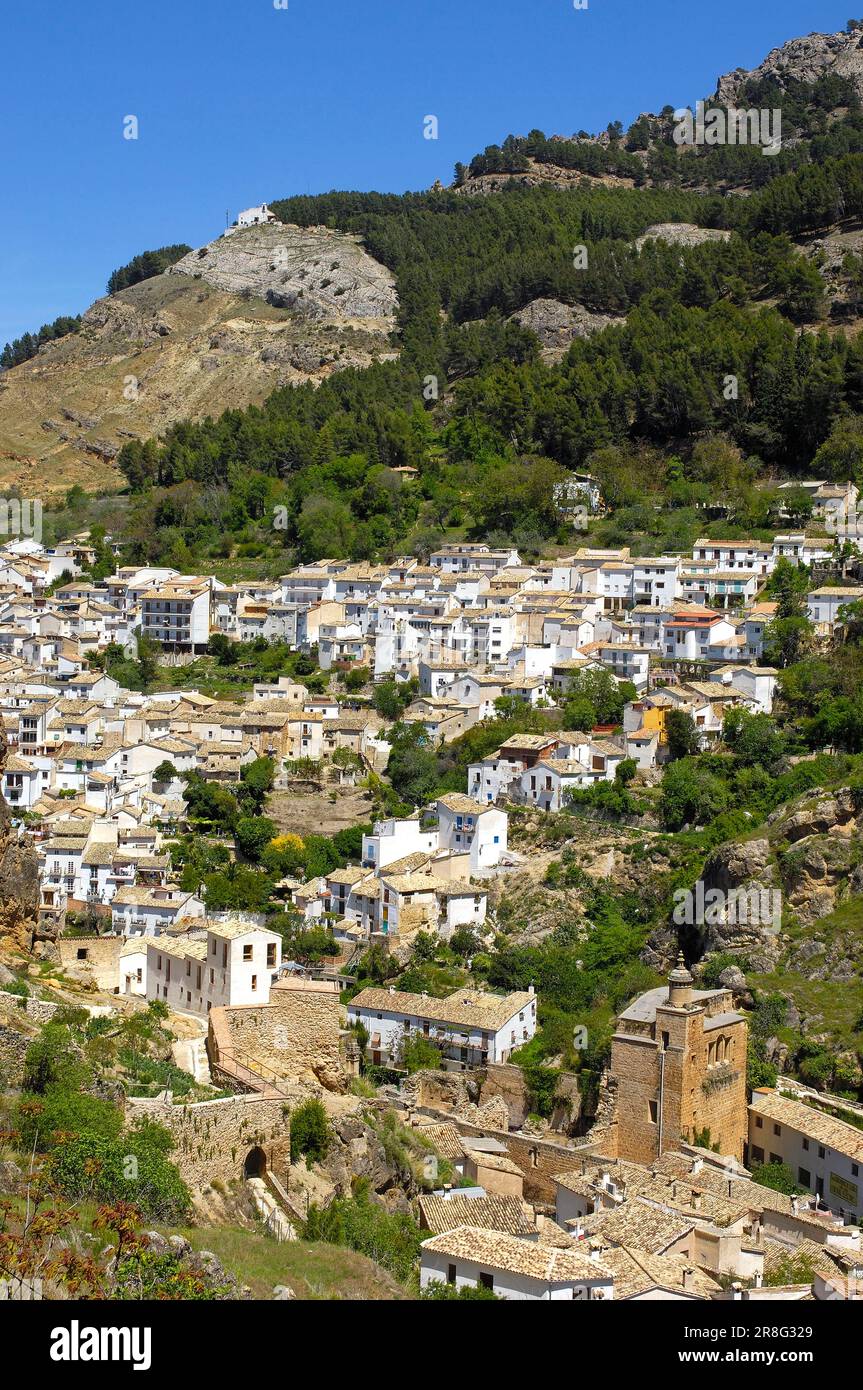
{"x": 255, "y": 1165}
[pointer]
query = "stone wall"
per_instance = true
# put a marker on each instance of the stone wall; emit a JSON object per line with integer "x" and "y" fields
{"x": 296, "y": 1034}
{"x": 13, "y": 1050}
{"x": 212, "y": 1140}
{"x": 101, "y": 963}
{"x": 41, "y": 1010}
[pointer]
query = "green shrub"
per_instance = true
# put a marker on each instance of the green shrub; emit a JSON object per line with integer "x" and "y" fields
{"x": 311, "y": 1136}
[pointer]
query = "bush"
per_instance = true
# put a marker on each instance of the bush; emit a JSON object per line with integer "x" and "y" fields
{"x": 440, "y": 1292}
{"x": 777, "y": 1176}
{"x": 310, "y": 1132}
{"x": 45, "y": 1121}
{"x": 132, "y": 1168}
{"x": 391, "y": 1239}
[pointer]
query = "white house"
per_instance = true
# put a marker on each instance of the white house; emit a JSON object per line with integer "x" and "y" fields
{"x": 395, "y": 839}
{"x": 235, "y": 965}
{"x": 468, "y": 827}
{"x": 472, "y": 1027}
{"x": 514, "y": 1267}
{"x": 824, "y": 1154}
{"x": 145, "y": 911}
{"x": 824, "y": 605}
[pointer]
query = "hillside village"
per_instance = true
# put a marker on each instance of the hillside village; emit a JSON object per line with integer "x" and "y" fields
{"x": 431, "y": 731}
{"x": 652, "y": 1199}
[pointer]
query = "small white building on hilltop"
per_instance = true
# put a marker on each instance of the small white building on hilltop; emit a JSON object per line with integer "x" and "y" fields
{"x": 252, "y": 217}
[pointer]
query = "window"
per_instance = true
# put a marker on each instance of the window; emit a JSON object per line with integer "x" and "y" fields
{"x": 271, "y": 953}
{"x": 855, "y": 1170}
{"x": 804, "y": 1177}
{"x": 254, "y": 982}
{"x": 450, "y": 1274}
{"x": 777, "y": 1129}
{"x": 653, "y": 1111}
{"x": 821, "y": 1153}
{"x": 486, "y": 1281}
{"x": 247, "y": 953}
{"x": 757, "y": 1154}
{"x": 775, "y": 1158}
{"x": 81, "y": 953}
{"x": 806, "y": 1145}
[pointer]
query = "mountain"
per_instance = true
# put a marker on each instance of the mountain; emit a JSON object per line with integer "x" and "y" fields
{"x": 267, "y": 306}
{"x": 325, "y": 286}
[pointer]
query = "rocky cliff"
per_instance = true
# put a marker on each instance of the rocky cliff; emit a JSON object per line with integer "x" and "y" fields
{"x": 804, "y": 59}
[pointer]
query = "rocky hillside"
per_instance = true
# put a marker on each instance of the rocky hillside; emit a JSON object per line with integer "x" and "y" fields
{"x": 804, "y": 59}
{"x": 267, "y": 306}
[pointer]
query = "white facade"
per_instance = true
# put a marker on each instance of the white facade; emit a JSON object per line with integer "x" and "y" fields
{"x": 395, "y": 839}
{"x": 235, "y": 965}
{"x": 468, "y": 827}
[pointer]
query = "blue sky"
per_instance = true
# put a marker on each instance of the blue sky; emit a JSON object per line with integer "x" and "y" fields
{"x": 239, "y": 102}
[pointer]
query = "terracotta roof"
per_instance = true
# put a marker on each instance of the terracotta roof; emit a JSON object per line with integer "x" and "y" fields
{"x": 493, "y": 1213}
{"x": 517, "y": 1256}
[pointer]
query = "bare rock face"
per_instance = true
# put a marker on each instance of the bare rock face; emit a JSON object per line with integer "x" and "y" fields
{"x": 314, "y": 270}
{"x": 556, "y": 325}
{"x": 681, "y": 234}
{"x": 818, "y": 814}
{"x": 814, "y": 875}
{"x": 805, "y": 59}
{"x": 19, "y": 878}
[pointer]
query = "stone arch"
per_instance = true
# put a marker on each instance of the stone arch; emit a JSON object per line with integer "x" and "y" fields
{"x": 255, "y": 1165}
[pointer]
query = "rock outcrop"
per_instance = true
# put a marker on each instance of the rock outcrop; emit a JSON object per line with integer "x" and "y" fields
{"x": 557, "y": 325}
{"x": 681, "y": 234}
{"x": 804, "y": 59}
{"x": 314, "y": 270}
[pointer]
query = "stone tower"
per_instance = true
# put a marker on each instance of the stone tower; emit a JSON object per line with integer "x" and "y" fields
{"x": 678, "y": 1059}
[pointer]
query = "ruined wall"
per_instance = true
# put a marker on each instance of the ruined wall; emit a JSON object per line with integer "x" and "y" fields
{"x": 213, "y": 1139}
{"x": 102, "y": 961}
{"x": 13, "y": 1050}
{"x": 296, "y": 1034}
{"x": 538, "y": 1159}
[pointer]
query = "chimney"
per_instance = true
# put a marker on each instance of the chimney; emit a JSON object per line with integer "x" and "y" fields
{"x": 736, "y": 1292}
{"x": 697, "y": 1165}
{"x": 688, "y": 1279}
{"x": 759, "y": 1279}
{"x": 795, "y": 1206}
{"x": 531, "y": 989}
